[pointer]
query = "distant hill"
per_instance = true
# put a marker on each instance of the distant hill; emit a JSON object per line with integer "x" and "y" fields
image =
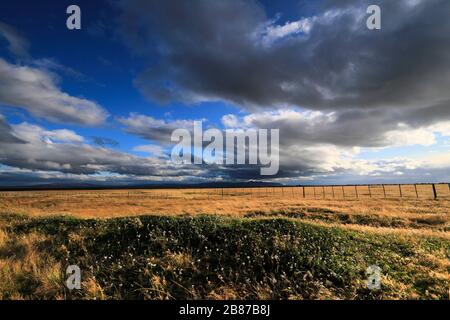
{"x": 91, "y": 186}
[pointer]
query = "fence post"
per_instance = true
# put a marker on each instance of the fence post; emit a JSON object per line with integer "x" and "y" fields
{"x": 323, "y": 191}
{"x": 400, "y": 189}
{"x": 332, "y": 189}
{"x": 292, "y": 189}
{"x": 304, "y": 192}
{"x": 314, "y": 188}
{"x": 370, "y": 192}
{"x": 343, "y": 191}
{"x": 384, "y": 191}
{"x": 434, "y": 191}
{"x": 356, "y": 191}
{"x": 415, "y": 188}
{"x": 222, "y": 192}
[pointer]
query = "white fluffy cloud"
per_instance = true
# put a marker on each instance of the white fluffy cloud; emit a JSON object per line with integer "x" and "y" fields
{"x": 35, "y": 134}
{"x": 153, "y": 149}
{"x": 153, "y": 129}
{"x": 276, "y": 32}
{"x": 35, "y": 90}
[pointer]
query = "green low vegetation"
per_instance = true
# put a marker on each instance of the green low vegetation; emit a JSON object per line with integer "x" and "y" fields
{"x": 205, "y": 257}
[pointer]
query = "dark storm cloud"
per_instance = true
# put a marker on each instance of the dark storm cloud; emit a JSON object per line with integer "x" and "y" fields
{"x": 212, "y": 50}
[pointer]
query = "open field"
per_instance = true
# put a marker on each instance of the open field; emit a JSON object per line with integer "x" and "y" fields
{"x": 247, "y": 243}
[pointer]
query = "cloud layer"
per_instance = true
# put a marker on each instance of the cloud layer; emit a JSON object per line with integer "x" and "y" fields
{"x": 66, "y": 152}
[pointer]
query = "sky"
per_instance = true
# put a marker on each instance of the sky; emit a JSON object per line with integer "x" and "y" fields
{"x": 98, "y": 105}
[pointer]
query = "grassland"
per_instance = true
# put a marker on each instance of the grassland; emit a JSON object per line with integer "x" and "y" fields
{"x": 159, "y": 244}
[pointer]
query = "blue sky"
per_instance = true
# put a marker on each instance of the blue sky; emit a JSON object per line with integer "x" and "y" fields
{"x": 105, "y": 67}
{"x": 349, "y": 106}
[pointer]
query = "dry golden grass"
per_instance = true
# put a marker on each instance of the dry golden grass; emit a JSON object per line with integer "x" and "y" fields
{"x": 25, "y": 269}
{"x": 408, "y": 213}
{"x": 29, "y": 270}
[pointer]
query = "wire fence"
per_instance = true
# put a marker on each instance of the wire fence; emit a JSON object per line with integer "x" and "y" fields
{"x": 380, "y": 191}
{"x": 376, "y": 191}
